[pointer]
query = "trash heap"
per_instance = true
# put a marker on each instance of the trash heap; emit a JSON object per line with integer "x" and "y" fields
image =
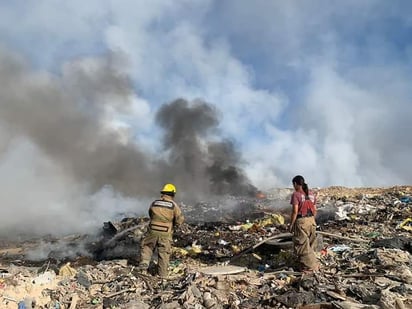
{"x": 240, "y": 259}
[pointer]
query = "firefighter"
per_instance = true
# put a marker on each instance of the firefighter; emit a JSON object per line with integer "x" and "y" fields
{"x": 165, "y": 215}
{"x": 303, "y": 224}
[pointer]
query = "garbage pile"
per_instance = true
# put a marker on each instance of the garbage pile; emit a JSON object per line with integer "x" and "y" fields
{"x": 243, "y": 260}
{"x": 229, "y": 209}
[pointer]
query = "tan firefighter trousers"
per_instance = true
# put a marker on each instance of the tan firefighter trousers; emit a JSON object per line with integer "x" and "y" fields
{"x": 163, "y": 244}
{"x": 304, "y": 238}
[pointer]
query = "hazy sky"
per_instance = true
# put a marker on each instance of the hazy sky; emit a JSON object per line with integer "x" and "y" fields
{"x": 318, "y": 88}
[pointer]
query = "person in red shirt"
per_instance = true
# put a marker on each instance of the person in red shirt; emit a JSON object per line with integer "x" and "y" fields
{"x": 303, "y": 224}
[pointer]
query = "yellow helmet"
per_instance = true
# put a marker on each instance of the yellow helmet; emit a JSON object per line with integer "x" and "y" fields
{"x": 168, "y": 188}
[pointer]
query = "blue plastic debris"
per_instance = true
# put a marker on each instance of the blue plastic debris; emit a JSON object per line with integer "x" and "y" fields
{"x": 57, "y": 305}
{"x": 21, "y": 305}
{"x": 406, "y": 199}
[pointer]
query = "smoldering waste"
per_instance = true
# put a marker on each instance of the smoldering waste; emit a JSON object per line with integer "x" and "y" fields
{"x": 221, "y": 259}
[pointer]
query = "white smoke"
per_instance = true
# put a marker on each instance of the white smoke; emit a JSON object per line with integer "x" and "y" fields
{"x": 316, "y": 89}
{"x": 40, "y": 197}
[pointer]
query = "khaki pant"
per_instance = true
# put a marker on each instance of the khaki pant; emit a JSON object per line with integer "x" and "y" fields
{"x": 304, "y": 238}
{"x": 163, "y": 244}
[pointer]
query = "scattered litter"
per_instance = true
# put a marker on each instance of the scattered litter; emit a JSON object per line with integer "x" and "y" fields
{"x": 21, "y": 305}
{"x": 83, "y": 279}
{"x": 339, "y": 248}
{"x": 406, "y": 225}
{"x": 44, "y": 278}
{"x": 67, "y": 271}
{"x": 234, "y": 259}
{"x": 222, "y": 270}
{"x": 406, "y": 199}
{"x": 223, "y": 242}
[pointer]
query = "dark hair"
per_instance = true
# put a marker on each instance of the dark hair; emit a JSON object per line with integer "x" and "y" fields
{"x": 299, "y": 180}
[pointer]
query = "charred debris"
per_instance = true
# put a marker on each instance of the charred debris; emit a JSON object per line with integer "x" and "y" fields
{"x": 232, "y": 253}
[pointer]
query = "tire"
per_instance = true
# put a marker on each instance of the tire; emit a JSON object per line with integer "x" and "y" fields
{"x": 281, "y": 243}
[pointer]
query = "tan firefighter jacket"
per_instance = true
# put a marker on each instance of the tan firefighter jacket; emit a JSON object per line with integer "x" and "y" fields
{"x": 165, "y": 214}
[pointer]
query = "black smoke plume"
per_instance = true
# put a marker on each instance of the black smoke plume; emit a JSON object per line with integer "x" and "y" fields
{"x": 206, "y": 166}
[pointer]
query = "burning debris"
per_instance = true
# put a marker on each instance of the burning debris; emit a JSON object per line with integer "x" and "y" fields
{"x": 241, "y": 261}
